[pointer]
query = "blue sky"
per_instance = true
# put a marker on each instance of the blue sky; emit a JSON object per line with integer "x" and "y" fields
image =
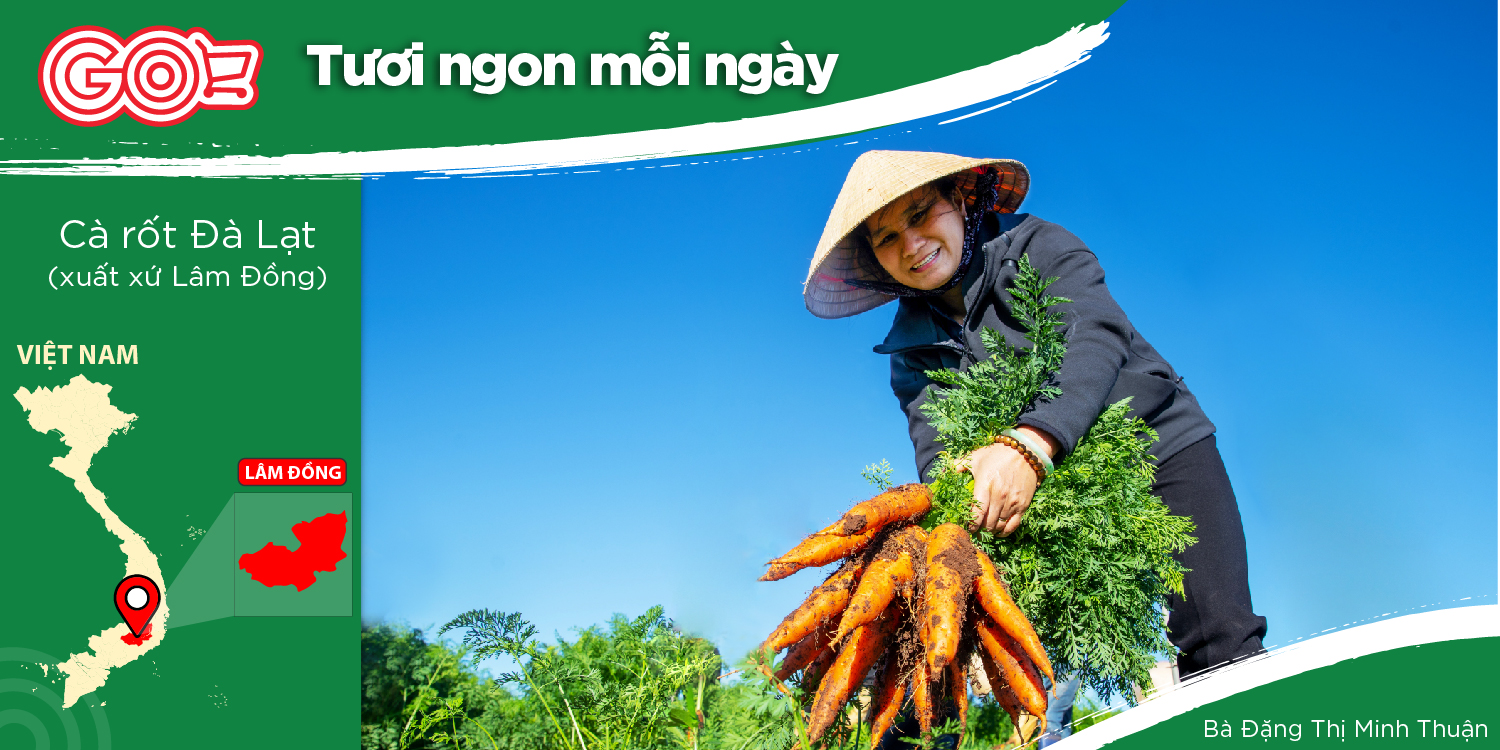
{"x": 592, "y": 393}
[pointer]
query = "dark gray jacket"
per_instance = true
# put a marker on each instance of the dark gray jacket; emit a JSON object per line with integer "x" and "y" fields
{"x": 1107, "y": 359}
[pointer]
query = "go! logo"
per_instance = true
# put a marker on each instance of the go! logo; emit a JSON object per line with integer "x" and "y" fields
{"x": 159, "y": 76}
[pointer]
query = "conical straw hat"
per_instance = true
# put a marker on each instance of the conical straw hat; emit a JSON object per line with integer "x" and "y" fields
{"x": 877, "y": 178}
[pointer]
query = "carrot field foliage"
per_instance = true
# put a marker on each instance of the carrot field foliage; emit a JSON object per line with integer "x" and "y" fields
{"x": 628, "y": 683}
{"x": 1092, "y": 563}
{"x": 631, "y": 683}
{"x": 406, "y": 678}
{"x": 615, "y": 687}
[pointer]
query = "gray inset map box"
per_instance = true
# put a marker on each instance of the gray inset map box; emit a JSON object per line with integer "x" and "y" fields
{"x": 267, "y": 546}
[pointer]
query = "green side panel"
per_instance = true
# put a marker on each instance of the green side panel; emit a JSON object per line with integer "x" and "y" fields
{"x": 223, "y": 372}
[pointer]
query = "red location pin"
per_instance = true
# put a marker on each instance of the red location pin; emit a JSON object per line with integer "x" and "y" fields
{"x": 136, "y": 597}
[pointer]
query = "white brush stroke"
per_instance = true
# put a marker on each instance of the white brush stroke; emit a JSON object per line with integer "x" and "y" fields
{"x": 1001, "y": 104}
{"x": 1398, "y": 632}
{"x": 915, "y": 102}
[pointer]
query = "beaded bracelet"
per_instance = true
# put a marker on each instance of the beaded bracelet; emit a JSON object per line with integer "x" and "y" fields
{"x": 1031, "y": 459}
{"x": 1036, "y": 448}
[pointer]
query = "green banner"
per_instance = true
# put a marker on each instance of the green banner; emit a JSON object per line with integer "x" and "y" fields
{"x": 880, "y": 48}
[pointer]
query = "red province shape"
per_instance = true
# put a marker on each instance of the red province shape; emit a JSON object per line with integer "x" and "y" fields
{"x": 320, "y": 550}
{"x": 134, "y": 641}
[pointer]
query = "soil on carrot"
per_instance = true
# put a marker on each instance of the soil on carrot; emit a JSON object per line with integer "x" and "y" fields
{"x": 854, "y": 524}
{"x": 960, "y": 559}
{"x": 889, "y": 545}
{"x": 908, "y": 648}
{"x": 860, "y": 608}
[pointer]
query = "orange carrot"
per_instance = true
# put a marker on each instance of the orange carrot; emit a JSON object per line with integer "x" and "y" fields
{"x": 950, "y": 572}
{"x": 813, "y": 674}
{"x": 960, "y": 690}
{"x": 824, "y": 603}
{"x": 1032, "y": 675}
{"x": 816, "y": 551}
{"x": 878, "y": 587}
{"x": 1002, "y": 692}
{"x": 803, "y": 654}
{"x": 849, "y": 668}
{"x": 996, "y": 601}
{"x": 890, "y": 692}
{"x": 921, "y": 696}
{"x": 895, "y": 504}
{"x": 1020, "y": 676}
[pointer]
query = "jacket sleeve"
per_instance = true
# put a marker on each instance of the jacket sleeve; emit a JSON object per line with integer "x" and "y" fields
{"x": 1098, "y": 332}
{"x": 909, "y": 381}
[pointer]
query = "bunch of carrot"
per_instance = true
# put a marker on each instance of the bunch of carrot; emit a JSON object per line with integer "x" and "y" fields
{"x": 915, "y": 606}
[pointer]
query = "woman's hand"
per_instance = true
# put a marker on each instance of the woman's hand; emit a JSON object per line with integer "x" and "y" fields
{"x": 1004, "y": 483}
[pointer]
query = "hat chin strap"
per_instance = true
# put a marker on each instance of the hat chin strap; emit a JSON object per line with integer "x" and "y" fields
{"x": 989, "y": 194}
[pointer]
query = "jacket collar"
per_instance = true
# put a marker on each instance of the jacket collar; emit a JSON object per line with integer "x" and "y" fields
{"x": 915, "y": 325}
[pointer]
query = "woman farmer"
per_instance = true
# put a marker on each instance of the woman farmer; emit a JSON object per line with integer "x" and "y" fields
{"x": 940, "y": 235}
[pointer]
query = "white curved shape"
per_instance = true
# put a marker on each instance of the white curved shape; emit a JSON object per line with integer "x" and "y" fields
{"x": 902, "y": 105}
{"x": 1384, "y": 635}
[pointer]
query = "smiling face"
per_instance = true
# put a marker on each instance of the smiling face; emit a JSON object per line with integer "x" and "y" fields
{"x": 918, "y": 238}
